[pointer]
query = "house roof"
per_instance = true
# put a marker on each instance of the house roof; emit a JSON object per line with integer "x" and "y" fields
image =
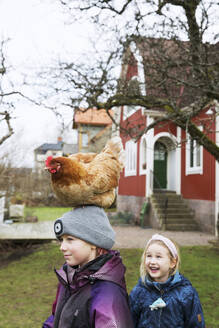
{"x": 164, "y": 63}
{"x": 92, "y": 116}
{"x": 60, "y": 145}
{"x": 49, "y": 146}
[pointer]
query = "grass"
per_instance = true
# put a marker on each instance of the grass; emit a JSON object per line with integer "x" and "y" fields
{"x": 49, "y": 213}
{"x": 28, "y": 286}
{"x": 46, "y": 213}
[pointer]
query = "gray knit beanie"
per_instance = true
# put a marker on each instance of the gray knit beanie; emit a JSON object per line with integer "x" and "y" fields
{"x": 89, "y": 223}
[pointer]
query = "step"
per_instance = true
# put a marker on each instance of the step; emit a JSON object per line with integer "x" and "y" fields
{"x": 169, "y": 201}
{"x": 169, "y": 196}
{"x": 175, "y": 217}
{"x": 176, "y": 221}
{"x": 182, "y": 227}
{"x": 164, "y": 191}
{"x": 170, "y": 205}
{"x": 180, "y": 221}
{"x": 176, "y": 210}
{"x": 178, "y": 215}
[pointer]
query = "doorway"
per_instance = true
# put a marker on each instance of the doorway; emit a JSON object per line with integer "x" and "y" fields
{"x": 160, "y": 166}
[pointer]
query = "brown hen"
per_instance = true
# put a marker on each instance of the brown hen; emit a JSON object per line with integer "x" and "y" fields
{"x": 88, "y": 178}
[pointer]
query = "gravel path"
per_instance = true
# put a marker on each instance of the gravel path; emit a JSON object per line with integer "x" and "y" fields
{"x": 136, "y": 237}
{"x": 126, "y": 236}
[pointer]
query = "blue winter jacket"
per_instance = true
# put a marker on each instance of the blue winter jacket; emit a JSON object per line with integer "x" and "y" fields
{"x": 183, "y": 308}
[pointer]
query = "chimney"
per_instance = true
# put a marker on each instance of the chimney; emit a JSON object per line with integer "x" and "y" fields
{"x": 59, "y": 139}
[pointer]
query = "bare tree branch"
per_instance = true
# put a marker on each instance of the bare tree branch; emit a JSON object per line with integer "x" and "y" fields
{"x": 179, "y": 70}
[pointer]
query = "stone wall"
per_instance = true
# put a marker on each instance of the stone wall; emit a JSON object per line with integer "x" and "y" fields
{"x": 153, "y": 220}
{"x": 131, "y": 204}
{"x": 204, "y": 211}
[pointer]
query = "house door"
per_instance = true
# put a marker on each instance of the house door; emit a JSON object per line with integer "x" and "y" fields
{"x": 160, "y": 166}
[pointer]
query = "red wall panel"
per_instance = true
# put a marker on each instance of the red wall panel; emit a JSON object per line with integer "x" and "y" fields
{"x": 196, "y": 186}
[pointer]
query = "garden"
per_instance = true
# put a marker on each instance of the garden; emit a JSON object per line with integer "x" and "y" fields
{"x": 28, "y": 283}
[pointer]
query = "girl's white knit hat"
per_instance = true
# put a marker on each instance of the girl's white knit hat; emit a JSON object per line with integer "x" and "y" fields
{"x": 89, "y": 223}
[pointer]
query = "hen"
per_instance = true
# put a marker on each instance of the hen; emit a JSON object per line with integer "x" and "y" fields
{"x": 88, "y": 178}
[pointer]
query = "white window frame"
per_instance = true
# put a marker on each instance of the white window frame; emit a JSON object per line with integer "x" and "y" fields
{"x": 84, "y": 140}
{"x": 195, "y": 169}
{"x": 131, "y": 158}
{"x": 143, "y": 156}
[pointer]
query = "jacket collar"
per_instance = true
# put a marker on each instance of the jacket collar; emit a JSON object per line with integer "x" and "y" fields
{"x": 172, "y": 281}
{"x": 105, "y": 267}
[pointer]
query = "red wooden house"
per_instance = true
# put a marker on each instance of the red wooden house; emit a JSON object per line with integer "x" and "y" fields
{"x": 167, "y": 174}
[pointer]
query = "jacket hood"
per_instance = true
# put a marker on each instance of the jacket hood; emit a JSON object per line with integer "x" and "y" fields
{"x": 176, "y": 279}
{"x": 108, "y": 267}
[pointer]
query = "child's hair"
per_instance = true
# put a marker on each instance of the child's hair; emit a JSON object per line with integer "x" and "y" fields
{"x": 173, "y": 251}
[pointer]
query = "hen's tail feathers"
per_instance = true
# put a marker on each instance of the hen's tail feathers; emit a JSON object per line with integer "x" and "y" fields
{"x": 115, "y": 146}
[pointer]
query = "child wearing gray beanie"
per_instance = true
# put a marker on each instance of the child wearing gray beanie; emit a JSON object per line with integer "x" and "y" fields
{"x": 89, "y": 223}
{"x": 91, "y": 290}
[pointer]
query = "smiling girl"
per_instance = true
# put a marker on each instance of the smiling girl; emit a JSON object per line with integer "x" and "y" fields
{"x": 163, "y": 298}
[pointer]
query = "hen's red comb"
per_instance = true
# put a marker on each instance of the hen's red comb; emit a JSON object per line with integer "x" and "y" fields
{"x": 48, "y": 160}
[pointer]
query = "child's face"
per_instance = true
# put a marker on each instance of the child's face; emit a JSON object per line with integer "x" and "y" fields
{"x": 158, "y": 262}
{"x": 76, "y": 251}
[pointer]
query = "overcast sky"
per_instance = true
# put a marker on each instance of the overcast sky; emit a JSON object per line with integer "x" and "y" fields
{"x": 38, "y": 34}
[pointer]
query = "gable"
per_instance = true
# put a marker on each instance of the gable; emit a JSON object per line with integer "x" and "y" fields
{"x": 92, "y": 117}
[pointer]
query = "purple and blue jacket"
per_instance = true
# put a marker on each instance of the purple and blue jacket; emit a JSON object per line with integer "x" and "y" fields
{"x": 93, "y": 296}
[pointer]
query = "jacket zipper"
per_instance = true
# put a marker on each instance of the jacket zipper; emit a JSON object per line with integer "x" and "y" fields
{"x": 161, "y": 295}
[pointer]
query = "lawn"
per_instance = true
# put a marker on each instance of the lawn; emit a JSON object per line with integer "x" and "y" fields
{"x": 27, "y": 286}
{"x": 46, "y": 213}
{"x": 49, "y": 213}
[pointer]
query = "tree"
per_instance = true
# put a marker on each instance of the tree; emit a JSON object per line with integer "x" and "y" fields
{"x": 7, "y": 92}
{"x": 4, "y": 114}
{"x": 179, "y": 42}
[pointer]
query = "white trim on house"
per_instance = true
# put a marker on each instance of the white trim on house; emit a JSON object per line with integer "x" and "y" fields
{"x": 172, "y": 170}
{"x": 178, "y": 160}
{"x": 143, "y": 155}
{"x": 197, "y": 159}
{"x": 131, "y": 158}
{"x": 140, "y": 64}
{"x": 150, "y": 157}
{"x": 151, "y": 139}
{"x": 129, "y": 110}
{"x": 116, "y": 125}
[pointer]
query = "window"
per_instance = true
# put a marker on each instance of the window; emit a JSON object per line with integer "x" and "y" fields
{"x": 160, "y": 152}
{"x": 143, "y": 159}
{"x": 131, "y": 158}
{"x": 84, "y": 139}
{"x": 194, "y": 157}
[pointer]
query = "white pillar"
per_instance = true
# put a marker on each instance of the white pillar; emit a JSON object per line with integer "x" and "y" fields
{"x": 2, "y": 208}
{"x": 150, "y": 158}
{"x": 178, "y": 160}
